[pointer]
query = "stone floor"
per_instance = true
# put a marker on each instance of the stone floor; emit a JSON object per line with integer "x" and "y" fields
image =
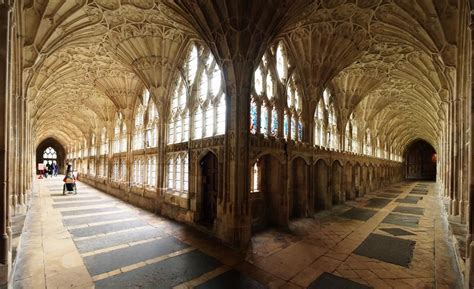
{"x": 394, "y": 238}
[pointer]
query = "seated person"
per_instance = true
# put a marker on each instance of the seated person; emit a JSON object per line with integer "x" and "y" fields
{"x": 70, "y": 182}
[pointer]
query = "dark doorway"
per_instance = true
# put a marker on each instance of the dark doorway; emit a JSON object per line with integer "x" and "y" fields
{"x": 48, "y": 151}
{"x": 322, "y": 200}
{"x": 266, "y": 205}
{"x": 298, "y": 199}
{"x": 209, "y": 169}
{"x": 420, "y": 161}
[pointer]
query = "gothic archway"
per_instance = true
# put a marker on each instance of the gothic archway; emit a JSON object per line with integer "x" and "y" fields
{"x": 44, "y": 152}
{"x": 420, "y": 161}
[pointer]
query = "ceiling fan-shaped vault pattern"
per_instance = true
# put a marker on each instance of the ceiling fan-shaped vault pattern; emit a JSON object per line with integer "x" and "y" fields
{"x": 390, "y": 63}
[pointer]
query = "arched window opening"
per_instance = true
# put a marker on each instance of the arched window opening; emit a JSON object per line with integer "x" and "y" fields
{"x": 50, "y": 156}
{"x": 93, "y": 144}
{"x": 104, "y": 147}
{"x": 198, "y": 99}
{"x": 178, "y": 172}
{"x": 368, "y": 142}
{"x": 281, "y": 62}
{"x": 255, "y": 177}
{"x": 152, "y": 126}
{"x": 139, "y": 130}
{"x": 325, "y": 122}
{"x": 151, "y": 172}
{"x": 253, "y": 117}
{"x": 268, "y": 108}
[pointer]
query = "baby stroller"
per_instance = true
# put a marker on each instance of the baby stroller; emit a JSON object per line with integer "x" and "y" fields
{"x": 69, "y": 186}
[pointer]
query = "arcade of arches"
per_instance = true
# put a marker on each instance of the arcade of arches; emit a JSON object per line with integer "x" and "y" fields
{"x": 236, "y": 117}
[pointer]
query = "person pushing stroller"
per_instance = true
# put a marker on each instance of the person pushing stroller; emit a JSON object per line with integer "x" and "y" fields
{"x": 69, "y": 182}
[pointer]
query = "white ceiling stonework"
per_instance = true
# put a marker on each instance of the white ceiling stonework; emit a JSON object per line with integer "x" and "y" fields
{"x": 391, "y": 62}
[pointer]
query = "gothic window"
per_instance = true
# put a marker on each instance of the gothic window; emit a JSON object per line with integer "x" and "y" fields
{"x": 186, "y": 173}
{"x": 178, "y": 172}
{"x": 115, "y": 170}
{"x": 139, "y": 129}
{"x": 209, "y": 122}
{"x": 293, "y": 128}
{"x": 209, "y": 113}
{"x": 152, "y": 125}
{"x": 268, "y": 108}
{"x": 123, "y": 142}
{"x": 348, "y": 137}
{"x": 49, "y": 156}
{"x": 293, "y": 102}
{"x": 352, "y": 143}
{"x": 270, "y": 86}
{"x": 123, "y": 170}
{"x": 138, "y": 169}
{"x": 378, "y": 150}
{"x": 171, "y": 173}
{"x": 300, "y": 131}
{"x": 93, "y": 144}
{"x": 368, "y": 142}
{"x": 274, "y": 122}
{"x": 326, "y": 133}
{"x": 86, "y": 149}
{"x": 198, "y": 99}
{"x": 117, "y": 130}
{"x": 281, "y": 62}
{"x": 264, "y": 120}
{"x": 221, "y": 113}
{"x": 253, "y": 117}
{"x": 255, "y": 177}
{"x": 198, "y": 123}
{"x": 151, "y": 171}
{"x": 104, "y": 148}
{"x": 92, "y": 167}
{"x": 178, "y": 111}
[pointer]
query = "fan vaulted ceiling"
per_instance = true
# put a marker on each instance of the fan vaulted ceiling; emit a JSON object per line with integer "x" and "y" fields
{"x": 390, "y": 62}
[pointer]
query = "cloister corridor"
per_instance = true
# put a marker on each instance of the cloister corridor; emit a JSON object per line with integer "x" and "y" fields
{"x": 392, "y": 238}
{"x": 323, "y": 144}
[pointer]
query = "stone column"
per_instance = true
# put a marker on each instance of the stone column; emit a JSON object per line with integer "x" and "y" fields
{"x": 5, "y": 253}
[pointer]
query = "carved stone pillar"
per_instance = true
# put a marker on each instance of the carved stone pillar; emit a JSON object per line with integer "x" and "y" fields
{"x": 5, "y": 254}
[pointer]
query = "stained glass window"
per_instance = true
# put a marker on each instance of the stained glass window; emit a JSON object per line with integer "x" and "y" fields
{"x": 293, "y": 128}
{"x": 300, "y": 131}
{"x": 274, "y": 122}
{"x": 285, "y": 126}
{"x": 253, "y": 117}
{"x": 264, "y": 120}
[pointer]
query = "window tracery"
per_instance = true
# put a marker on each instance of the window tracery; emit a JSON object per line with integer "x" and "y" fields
{"x": 351, "y": 137}
{"x": 325, "y": 122}
{"x": 104, "y": 147}
{"x": 198, "y": 100}
{"x": 268, "y": 108}
{"x": 178, "y": 172}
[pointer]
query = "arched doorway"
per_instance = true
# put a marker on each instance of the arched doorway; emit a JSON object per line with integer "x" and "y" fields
{"x": 48, "y": 151}
{"x": 322, "y": 200}
{"x": 298, "y": 198}
{"x": 210, "y": 176}
{"x": 420, "y": 161}
{"x": 267, "y": 184}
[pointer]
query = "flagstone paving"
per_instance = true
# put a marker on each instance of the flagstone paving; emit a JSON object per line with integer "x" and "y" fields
{"x": 386, "y": 239}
